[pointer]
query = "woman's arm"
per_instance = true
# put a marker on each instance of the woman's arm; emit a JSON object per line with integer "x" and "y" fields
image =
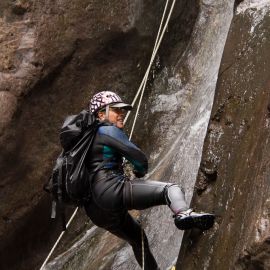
{"x": 118, "y": 140}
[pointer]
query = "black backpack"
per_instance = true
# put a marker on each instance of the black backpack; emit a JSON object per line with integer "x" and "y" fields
{"x": 70, "y": 180}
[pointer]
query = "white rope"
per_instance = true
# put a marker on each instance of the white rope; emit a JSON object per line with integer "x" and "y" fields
{"x": 141, "y": 89}
{"x": 151, "y": 61}
{"x": 59, "y": 238}
{"x": 156, "y": 47}
{"x": 142, "y": 248}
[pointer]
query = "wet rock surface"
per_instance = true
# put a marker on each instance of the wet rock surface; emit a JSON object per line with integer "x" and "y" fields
{"x": 233, "y": 180}
{"x": 55, "y": 54}
{"x": 180, "y": 103}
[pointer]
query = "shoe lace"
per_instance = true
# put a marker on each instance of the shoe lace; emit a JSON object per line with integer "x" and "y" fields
{"x": 184, "y": 213}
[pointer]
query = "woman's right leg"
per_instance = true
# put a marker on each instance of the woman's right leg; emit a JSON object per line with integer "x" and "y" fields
{"x": 142, "y": 194}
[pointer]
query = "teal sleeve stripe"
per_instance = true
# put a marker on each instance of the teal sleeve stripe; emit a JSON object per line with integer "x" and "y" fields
{"x": 108, "y": 152}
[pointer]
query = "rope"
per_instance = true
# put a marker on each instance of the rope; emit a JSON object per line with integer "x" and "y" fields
{"x": 59, "y": 238}
{"x": 142, "y": 247}
{"x": 156, "y": 47}
{"x": 141, "y": 89}
{"x": 143, "y": 85}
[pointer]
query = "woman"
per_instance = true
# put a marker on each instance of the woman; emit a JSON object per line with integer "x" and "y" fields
{"x": 113, "y": 194}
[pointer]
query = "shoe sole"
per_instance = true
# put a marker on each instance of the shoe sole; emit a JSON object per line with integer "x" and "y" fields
{"x": 203, "y": 222}
{"x": 184, "y": 224}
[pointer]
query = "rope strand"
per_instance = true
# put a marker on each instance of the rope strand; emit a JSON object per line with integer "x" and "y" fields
{"x": 59, "y": 238}
{"x": 156, "y": 47}
{"x": 142, "y": 248}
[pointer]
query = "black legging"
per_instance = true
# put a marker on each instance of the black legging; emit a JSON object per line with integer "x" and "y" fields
{"x": 114, "y": 195}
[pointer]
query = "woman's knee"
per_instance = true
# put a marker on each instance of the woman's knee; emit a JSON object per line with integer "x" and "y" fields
{"x": 175, "y": 197}
{"x": 172, "y": 190}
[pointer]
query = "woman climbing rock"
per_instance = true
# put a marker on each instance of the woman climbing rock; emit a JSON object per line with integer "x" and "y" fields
{"x": 113, "y": 193}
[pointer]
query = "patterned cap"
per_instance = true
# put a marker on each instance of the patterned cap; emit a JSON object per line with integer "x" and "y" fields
{"x": 104, "y": 98}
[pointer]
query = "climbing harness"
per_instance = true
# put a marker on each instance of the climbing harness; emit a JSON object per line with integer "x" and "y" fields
{"x": 140, "y": 92}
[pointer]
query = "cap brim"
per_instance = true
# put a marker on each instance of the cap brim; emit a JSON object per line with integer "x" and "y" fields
{"x": 125, "y": 106}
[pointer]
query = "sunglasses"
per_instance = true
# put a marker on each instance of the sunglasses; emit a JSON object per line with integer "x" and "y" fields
{"x": 118, "y": 110}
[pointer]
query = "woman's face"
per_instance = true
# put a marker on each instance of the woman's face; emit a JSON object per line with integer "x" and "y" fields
{"x": 116, "y": 116}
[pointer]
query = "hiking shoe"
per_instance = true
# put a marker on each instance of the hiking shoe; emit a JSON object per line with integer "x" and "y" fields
{"x": 189, "y": 219}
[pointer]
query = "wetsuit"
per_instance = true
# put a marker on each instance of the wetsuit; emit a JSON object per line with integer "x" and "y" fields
{"x": 113, "y": 194}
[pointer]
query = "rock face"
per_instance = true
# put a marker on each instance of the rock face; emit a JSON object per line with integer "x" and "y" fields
{"x": 53, "y": 56}
{"x": 233, "y": 179}
{"x": 176, "y": 112}
{"x": 180, "y": 104}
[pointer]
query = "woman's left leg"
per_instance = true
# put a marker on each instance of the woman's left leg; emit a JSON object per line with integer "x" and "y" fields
{"x": 123, "y": 225}
{"x": 131, "y": 231}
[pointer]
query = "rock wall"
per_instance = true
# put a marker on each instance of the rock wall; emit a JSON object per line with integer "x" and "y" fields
{"x": 233, "y": 179}
{"x": 53, "y": 56}
{"x": 176, "y": 110}
{"x": 180, "y": 103}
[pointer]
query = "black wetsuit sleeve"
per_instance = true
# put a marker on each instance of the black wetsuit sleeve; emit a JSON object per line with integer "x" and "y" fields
{"x": 118, "y": 140}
